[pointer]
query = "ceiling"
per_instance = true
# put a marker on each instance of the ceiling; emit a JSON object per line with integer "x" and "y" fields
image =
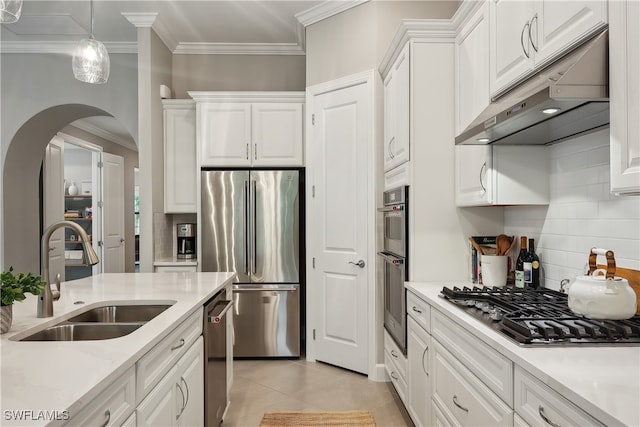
{"x": 255, "y": 27}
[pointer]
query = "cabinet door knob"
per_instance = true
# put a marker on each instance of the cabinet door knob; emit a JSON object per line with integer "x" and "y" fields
{"x": 107, "y": 414}
{"x": 544, "y": 417}
{"x": 533, "y": 45}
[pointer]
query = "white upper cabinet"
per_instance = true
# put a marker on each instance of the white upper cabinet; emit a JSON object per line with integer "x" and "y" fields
{"x": 502, "y": 175}
{"x": 472, "y": 68}
{"x": 224, "y": 134}
{"x": 250, "y": 129}
{"x": 396, "y": 111}
{"x": 527, "y": 35}
{"x": 180, "y": 171}
{"x": 624, "y": 78}
{"x": 276, "y": 133}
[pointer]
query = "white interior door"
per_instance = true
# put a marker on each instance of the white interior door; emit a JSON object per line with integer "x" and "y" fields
{"x": 338, "y": 288}
{"x": 53, "y": 202}
{"x": 112, "y": 213}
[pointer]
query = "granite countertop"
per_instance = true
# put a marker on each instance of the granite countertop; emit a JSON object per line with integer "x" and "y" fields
{"x": 602, "y": 380}
{"x": 59, "y": 376}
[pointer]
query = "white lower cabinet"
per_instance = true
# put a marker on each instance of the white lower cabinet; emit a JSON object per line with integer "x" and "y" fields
{"x": 159, "y": 408}
{"x": 131, "y": 421}
{"x": 538, "y": 404}
{"x": 166, "y": 384}
{"x": 191, "y": 384}
{"x": 462, "y": 397}
{"x": 178, "y": 399}
{"x": 396, "y": 366}
{"x": 113, "y": 407}
{"x": 418, "y": 370}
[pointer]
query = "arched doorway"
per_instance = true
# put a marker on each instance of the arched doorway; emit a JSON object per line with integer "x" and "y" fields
{"x": 22, "y": 192}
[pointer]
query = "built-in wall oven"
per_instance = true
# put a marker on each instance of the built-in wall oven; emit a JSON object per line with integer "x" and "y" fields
{"x": 395, "y": 262}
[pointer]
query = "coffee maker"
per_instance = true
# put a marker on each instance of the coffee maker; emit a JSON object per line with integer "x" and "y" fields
{"x": 186, "y": 241}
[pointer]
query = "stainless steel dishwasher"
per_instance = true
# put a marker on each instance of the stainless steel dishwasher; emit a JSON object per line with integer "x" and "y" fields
{"x": 215, "y": 353}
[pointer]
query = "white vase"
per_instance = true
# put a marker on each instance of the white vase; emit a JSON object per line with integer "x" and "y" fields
{"x": 73, "y": 190}
{"x": 6, "y": 317}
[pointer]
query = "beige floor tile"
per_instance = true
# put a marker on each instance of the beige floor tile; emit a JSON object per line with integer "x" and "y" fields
{"x": 297, "y": 385}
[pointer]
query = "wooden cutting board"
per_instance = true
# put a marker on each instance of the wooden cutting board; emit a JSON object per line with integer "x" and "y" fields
{"x": 633, "y": 276}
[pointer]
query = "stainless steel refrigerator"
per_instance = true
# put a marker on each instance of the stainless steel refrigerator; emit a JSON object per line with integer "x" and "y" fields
{"x": 251, "y": 225}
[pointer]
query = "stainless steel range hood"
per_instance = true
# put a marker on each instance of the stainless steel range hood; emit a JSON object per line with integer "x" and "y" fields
{"x": 577, "y": 84}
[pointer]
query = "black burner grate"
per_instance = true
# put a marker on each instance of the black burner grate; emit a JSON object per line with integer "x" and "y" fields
{"x": 540, "y": 316}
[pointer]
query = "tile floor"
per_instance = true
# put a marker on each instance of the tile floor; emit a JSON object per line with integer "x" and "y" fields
{"x": 298, "y": 385}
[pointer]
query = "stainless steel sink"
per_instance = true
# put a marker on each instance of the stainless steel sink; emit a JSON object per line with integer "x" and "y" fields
{"x": 120, "y": 313}
{"x": 83, "y": 331}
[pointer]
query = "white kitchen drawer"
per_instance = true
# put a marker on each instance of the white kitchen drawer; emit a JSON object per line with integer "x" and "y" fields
{"x": 419, "y": 310}
{"x": 535, "y": 401}
{"x": 114, "y": 405}
{"x": 130, "y": 422}
{"x": 156, "y": 363}
{"x": 438, "y": 418}
{"x": 494, "y": 369}
{"x": 463, "y": 398}
{"x": 395, "y": 354}
{"x": 397, "y": 379}
{"x": 518, "y": 421}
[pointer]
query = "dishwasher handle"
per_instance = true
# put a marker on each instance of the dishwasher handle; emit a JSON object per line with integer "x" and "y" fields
{"x": 217, "y": 317}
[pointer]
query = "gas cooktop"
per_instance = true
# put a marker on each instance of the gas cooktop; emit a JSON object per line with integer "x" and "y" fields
{"x": 540, "y": 317}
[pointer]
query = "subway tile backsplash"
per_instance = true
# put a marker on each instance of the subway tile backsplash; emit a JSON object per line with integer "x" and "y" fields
{"x": 581, "y": 214}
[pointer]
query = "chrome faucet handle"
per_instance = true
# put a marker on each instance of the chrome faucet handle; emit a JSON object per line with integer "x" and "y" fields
{"x": 56, "y": 292}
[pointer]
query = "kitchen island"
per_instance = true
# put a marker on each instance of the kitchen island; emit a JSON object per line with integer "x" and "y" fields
{"x": 601, "y": 382}
{"x": 57, "y": 379}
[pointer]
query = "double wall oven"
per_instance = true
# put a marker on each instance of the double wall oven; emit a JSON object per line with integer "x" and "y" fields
{"x": 394, "y": 256}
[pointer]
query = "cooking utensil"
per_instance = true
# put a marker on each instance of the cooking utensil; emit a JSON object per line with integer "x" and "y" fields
{"x": 600, "y": 294}
{"x": 476, "y": 245}
{"x": 503, "y": 244}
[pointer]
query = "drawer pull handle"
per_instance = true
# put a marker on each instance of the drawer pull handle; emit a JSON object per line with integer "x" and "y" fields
{"x": 393, "y": 375}
{"x": 416, "y": 310}
{"x": 107, "y": 414}
{"x": 455, "y": 402}
{"x": 179, "y": 345}
{"x": 393, "y": 353}
{"x": 544, "y": 417}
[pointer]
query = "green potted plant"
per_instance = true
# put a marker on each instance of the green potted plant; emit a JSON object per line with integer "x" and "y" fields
{"x": 13, "y": 288}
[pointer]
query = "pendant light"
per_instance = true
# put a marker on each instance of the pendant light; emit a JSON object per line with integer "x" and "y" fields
{"x": 10, "y": 11}
{"x": 91, "y": 59}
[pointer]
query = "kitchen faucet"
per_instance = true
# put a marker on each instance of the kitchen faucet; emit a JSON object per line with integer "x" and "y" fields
{"x": 46, "y": 297}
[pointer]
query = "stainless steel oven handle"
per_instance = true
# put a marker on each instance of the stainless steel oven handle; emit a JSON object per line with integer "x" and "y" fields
{"x": 391, "y": 258}
{"x": 394, "y": 208}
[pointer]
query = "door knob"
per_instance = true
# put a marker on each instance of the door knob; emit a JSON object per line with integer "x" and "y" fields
{"x": 360, "y": 263}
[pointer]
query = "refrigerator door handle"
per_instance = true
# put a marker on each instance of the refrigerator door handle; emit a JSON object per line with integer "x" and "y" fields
{"x": 246, "y": 227}
{"x": 253, "y": 226}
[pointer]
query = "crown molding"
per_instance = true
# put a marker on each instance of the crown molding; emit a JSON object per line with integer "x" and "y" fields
{"x": 238, "y": 49}
{"x": 326, "y": 10}
{"x": 417, "y": 30}
{"x": 247, "y": 96}
{"x": 101, "y": 133}
{"x": 141, "y": 19}
{"x": 62, "y": 47}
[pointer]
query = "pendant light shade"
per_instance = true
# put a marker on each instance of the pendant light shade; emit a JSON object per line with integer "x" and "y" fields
{"x": 10, "y": 11}
{"x": 91, "y": 62}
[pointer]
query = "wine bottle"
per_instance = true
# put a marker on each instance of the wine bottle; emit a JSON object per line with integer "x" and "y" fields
{"x": 519, "y": 282}
{"x": 535, "y": 266}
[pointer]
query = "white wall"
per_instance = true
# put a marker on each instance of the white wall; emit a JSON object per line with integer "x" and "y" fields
{"x": 582, "y": 212}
